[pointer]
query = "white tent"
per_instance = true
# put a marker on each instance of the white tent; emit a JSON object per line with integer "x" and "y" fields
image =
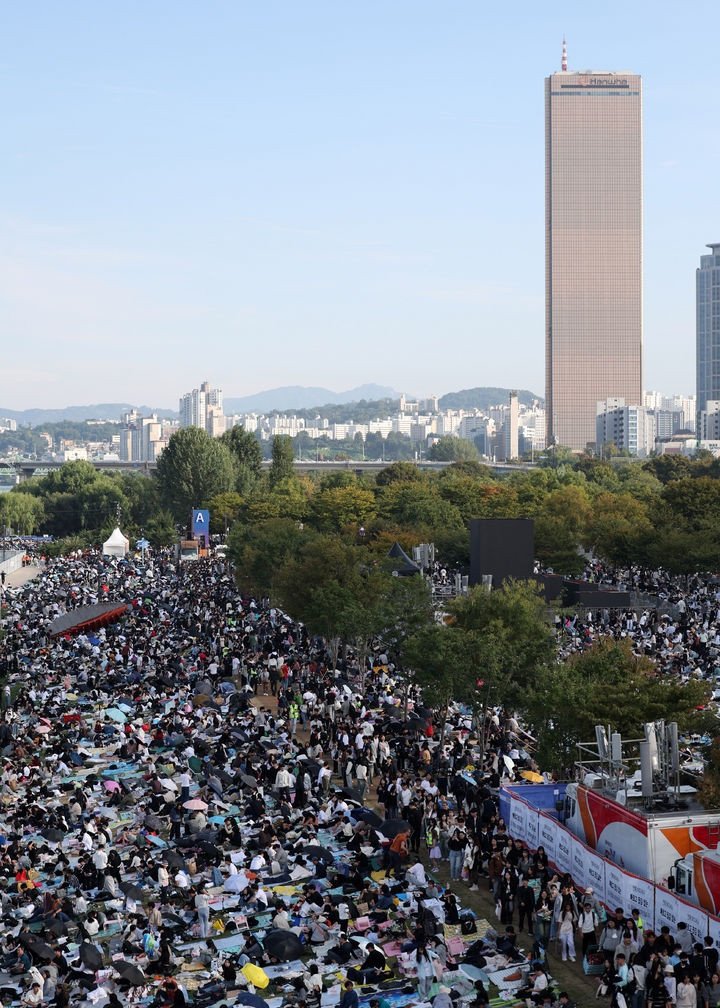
{"x": 117, "y": 545}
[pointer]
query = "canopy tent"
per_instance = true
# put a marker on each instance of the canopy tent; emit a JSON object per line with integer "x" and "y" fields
{"x": 117, "y": 545}
{"x": 87, "y": 618}
{"x": 403, "y": 565}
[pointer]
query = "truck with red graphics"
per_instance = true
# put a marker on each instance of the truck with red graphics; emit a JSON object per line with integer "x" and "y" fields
{"x": 633, "y": 808}
{"x": 697, "y": 878}
{"x": 677, "y": 848}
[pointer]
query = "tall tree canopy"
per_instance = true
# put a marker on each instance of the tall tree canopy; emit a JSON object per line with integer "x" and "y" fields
{"x": 193, "y": 468}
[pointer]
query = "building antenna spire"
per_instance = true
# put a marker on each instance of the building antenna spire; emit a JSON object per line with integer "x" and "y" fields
{"x": 563, "y": 62}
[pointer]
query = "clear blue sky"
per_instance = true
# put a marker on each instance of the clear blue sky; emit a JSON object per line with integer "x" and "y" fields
{"x": 320, "y": 193}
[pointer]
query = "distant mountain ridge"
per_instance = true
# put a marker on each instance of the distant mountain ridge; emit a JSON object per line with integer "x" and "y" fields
{"x": 285, "y": 399}
{"x": 96, "y": 411}
{"x": 484, "y": 397}
{"x": 295, "y": 397}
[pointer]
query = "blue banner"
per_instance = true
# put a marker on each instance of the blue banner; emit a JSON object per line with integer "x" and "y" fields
{"x": 201, "y": 524}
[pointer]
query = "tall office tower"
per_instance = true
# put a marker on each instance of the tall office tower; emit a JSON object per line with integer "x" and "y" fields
{"x": 707, "y": 323}
{"x": 593, "y": 248}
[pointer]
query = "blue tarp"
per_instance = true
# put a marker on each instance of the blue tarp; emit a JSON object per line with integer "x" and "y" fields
{"x": 540, "y": 796}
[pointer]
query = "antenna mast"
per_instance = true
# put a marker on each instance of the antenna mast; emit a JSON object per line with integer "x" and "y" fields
{"x": 563, "y": 61}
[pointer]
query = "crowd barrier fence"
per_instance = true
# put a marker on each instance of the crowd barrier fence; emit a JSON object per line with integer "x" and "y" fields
{"x": 612, "y": 885}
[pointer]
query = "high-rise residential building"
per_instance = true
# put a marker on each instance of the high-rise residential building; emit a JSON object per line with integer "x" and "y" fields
{"x": 628, "y": 428}
{"x": 707, "y": 328}
{"x": 593, "y": 248}
{"x": 203, "y": 408}
{"x": 142, "y": 439}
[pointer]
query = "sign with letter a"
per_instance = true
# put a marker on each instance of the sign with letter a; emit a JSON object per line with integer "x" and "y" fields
{"x": 201, "y": 524}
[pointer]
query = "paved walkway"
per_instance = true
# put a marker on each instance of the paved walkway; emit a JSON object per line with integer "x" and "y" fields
{"x": 21, "y": 576}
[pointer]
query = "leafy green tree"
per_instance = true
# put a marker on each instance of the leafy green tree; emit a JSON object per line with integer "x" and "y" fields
{"x": 472, "y": 468}
{"x": 336, "y": 508}
{"x": 247, "y": 453}
{"x": 21, "y": 512}
{"x": 447, "y": 663}
{"x": 245, "y": 447}
{"x": 559, "y": 529}
{"x": 141, "y": 496}
{"x": 640, "y": 484}
{"x": 161, "y": 530}
{"x": 618, "y": 528}
{"x": 608, "y": 684}
{"x": 259, "y": 551}
{"x": 193, "y": 468}
{"x": 62, "y": 516}
{"x": 69, "y": 478}
{"x": 709, "y": 790}
{"x": 399, "y": 472}
{"x": 289, "y": 498}
{"x": 101, "y": 502}
{"x": 225, "y": 509}
{"x": 397, "y": 447}
{"x": 318, "y": 586}
{"x": 669, "y": 468}
{"x": 417, "y": 505}
{"x": 453, "y": 449}
{"x": 283, "y": 459}
{"x": 695, "y": 502}
{"x": 515, "y": 618}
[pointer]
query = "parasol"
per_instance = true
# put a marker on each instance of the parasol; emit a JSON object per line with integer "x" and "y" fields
{"x": 283, "y": 945}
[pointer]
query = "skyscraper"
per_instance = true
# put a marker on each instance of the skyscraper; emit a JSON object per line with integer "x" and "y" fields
{"x": 593, "y": 248}
{"x": 707, "y": 328}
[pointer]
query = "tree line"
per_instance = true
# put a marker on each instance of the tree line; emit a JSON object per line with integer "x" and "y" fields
{"x": 319, "y": 548}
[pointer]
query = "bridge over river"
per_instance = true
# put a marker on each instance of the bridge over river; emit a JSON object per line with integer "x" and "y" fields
{"x": 19, "y": 470}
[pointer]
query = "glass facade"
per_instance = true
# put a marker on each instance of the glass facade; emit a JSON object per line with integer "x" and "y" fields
{"x": 707, "y": 301}
{"x": 593, "y": 248}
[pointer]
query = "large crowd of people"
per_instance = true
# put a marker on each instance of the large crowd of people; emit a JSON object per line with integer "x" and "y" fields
{"x": 196, "y": 806}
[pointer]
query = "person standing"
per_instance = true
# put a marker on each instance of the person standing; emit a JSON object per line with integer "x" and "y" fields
{"x": 202, "y": 906}
{"x": 566, "y": 932}
{"x": 526, "y": 906}
{"x": 686, "y": 994}
{"x": 425, "y": 972}
{"x": 361, "y": 778}
{"x": 587, "y": 923}
{"x": 456, "y": 852}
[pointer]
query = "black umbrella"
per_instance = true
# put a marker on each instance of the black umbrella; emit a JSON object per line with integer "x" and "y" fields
{"x": 174, "y": 860}
{"x": 153, "y": 823}
{"x": 195, "y": 838}
{"x": 53, "y": 835}
{"x": 58, "y": 928}
{"x": 90, "y": 957}
{"x": 133, "y": 891}
{"x": 210, "y": 850}
{"x": 367, "y": 816}
{"x": 321, "y": 853}
{"x": 248, "y": 780}
{"x": 391, "y": 827}
{"x": 41, "y": 950}
{"x": 352, "y": 793}
{"x": 283, "y": 945}
{"x": 130, "y": 972}
{"x": 245, "y": 998}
